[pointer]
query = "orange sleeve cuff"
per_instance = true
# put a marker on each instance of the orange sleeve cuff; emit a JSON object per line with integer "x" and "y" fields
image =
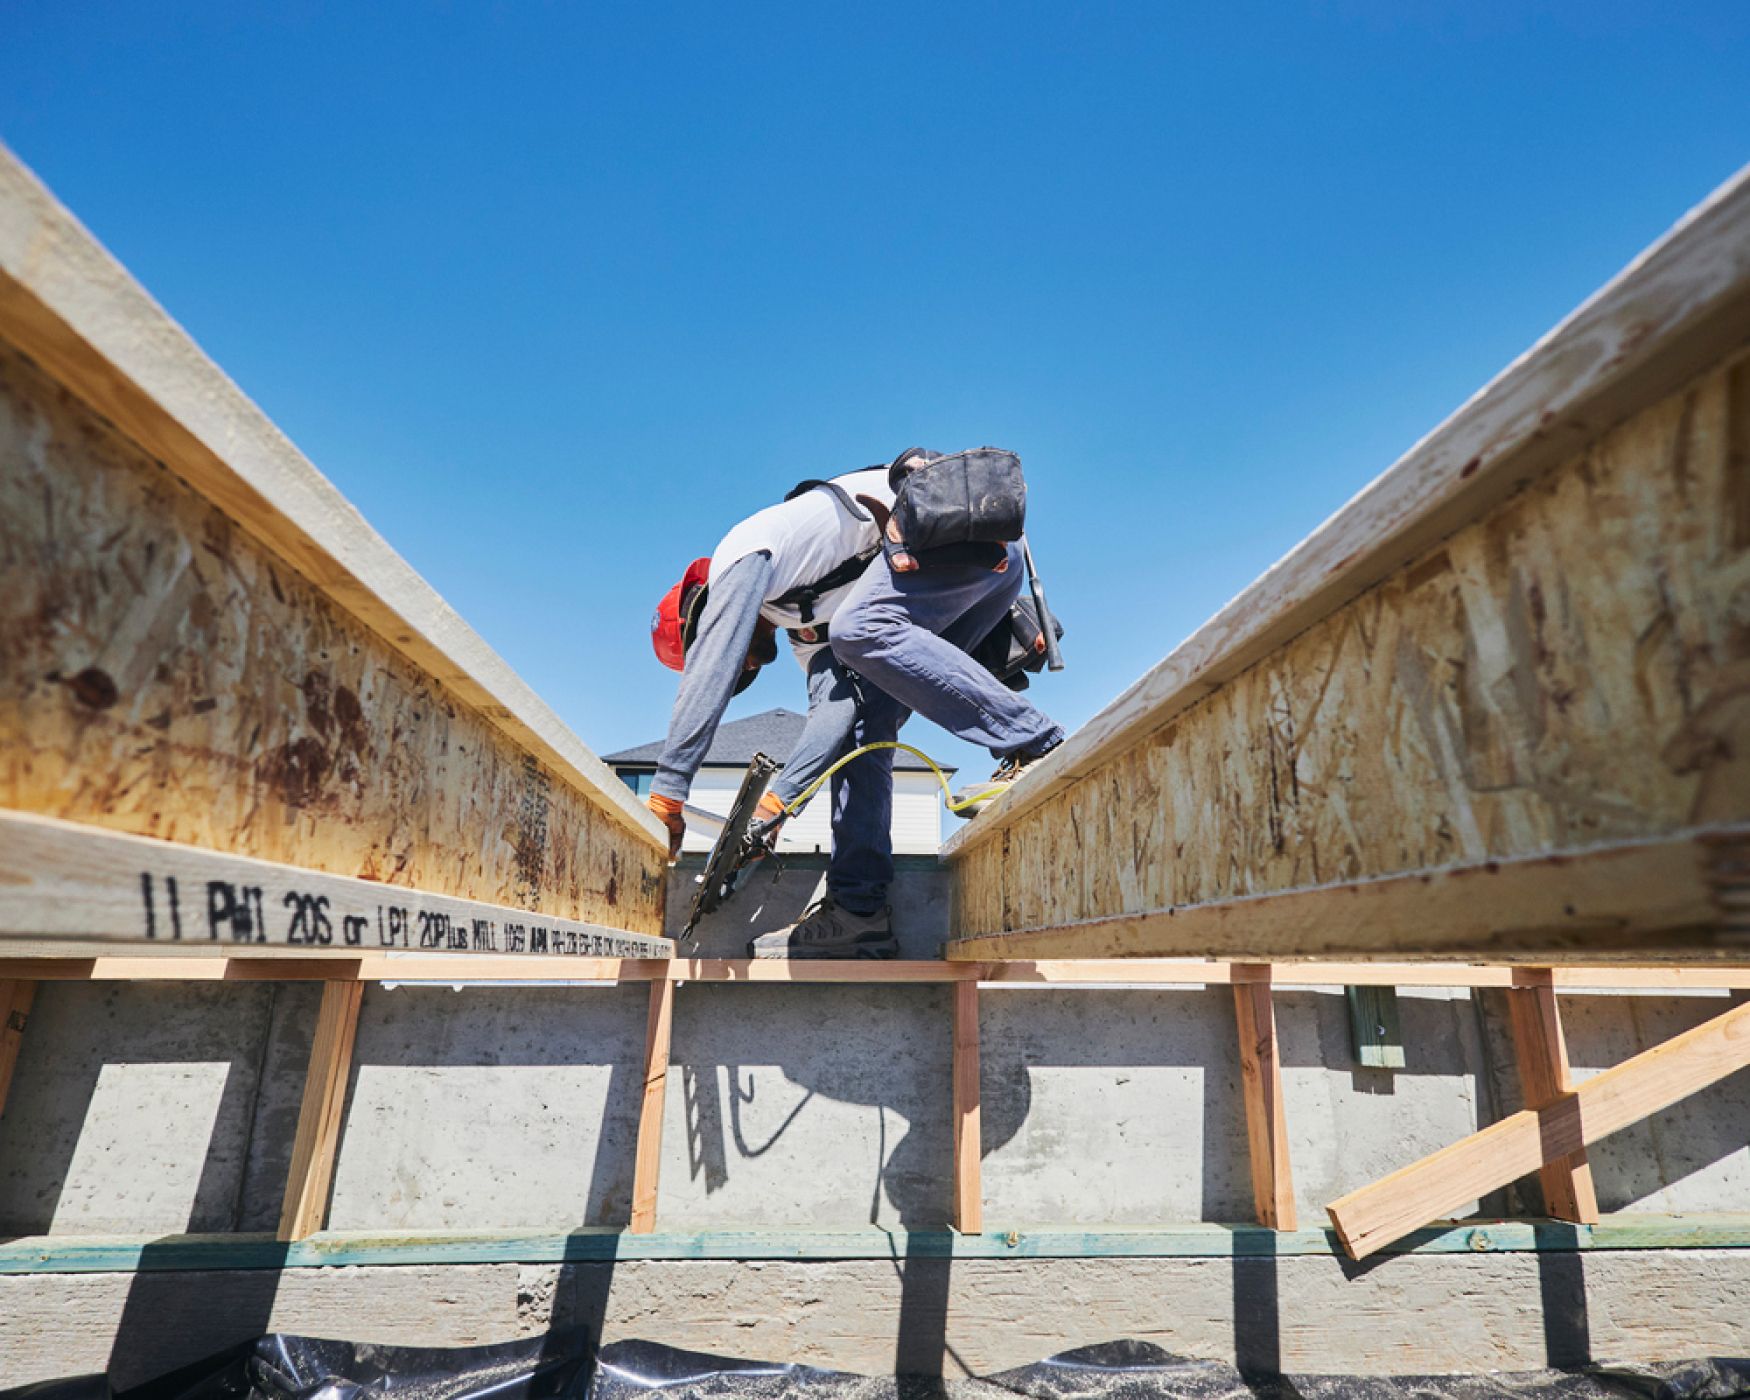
{"x": 664, "y": 806}
{"x": 771, "y": 805}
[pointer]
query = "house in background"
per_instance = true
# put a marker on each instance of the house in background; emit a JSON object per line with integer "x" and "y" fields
{"x": 917, "y": 797}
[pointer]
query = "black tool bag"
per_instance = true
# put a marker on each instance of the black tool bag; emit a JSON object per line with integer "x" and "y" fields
{"x": 961, "y": 509}
{"x": 1016, "y": 645}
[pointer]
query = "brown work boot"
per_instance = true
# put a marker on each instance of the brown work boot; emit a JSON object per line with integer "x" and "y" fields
{"x": 827, "y": 931}
{"x": 975, "y": 797}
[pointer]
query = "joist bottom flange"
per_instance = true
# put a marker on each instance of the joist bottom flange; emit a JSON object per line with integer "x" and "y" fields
{"x": 1679, "y": 897}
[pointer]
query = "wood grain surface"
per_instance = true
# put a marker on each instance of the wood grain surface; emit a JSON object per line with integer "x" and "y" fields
{"x": 1570, "y": 670}
{"x": 162, "y": 673}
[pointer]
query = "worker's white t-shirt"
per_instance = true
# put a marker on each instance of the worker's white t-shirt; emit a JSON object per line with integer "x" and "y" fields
{"x": 807, "y": 538}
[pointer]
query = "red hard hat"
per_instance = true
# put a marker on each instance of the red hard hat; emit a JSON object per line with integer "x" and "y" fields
{"x": 677, "y": 615}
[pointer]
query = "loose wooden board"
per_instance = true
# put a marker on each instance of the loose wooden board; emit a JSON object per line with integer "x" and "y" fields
{"x": 59, "y": 880}
{"x": 1371, "y": 1218}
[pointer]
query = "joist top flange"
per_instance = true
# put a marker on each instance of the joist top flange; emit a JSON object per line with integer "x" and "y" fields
{"x": 66, "y": 302}
{"x": 1680, "y": 305}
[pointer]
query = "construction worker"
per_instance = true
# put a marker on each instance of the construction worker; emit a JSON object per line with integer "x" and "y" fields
{"x": 878, "y": 635}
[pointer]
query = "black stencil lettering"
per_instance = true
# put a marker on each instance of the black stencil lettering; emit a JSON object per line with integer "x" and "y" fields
{"x": 537, "y": 939}
{"x": 151, "y": 913}
{"x": 296, "y": 933}
{"x": 222, "y": 908}
{"x": 310, "y": 921}
{"x": 352, "y": 929}
{"x": 236, "y": 910}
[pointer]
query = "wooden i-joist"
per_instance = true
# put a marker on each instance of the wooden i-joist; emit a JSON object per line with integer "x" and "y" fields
{"x": 94, "y": 878}
{"x": 1491, "y": 709}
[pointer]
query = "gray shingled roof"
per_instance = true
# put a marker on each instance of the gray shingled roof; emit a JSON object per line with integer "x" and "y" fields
{"x": 773, "y": 733}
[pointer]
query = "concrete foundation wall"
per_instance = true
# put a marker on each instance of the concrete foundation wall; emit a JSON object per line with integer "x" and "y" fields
{"x": 171, "y": 1107}
{"x": 1442, "y": 1313}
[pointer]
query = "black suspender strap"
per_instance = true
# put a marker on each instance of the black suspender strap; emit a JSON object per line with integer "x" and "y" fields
{"x": 804, "y": 595}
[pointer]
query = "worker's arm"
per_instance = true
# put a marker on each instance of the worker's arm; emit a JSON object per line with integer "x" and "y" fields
{"x": 714, "y": 664}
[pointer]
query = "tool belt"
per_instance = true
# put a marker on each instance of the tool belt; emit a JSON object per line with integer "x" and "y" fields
{"x": 1015, "y": 647}
{"x": 961, "y": 509}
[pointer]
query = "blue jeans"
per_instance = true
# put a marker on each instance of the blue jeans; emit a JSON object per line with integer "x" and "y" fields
{"x": 899, "y": 644}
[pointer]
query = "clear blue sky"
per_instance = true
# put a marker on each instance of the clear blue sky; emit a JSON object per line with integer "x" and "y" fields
{"x": 556, "y": 293}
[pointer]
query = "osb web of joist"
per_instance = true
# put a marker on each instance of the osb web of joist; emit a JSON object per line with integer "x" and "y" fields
{"x": 1572, "y": 668}
{"x": 160, "y": 674}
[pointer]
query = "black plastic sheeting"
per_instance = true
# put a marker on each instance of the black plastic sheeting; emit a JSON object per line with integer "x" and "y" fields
{"x": 565, "y": 1366}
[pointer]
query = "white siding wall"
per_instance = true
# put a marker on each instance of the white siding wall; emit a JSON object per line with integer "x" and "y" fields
{"x": 917, "y": 814}
{"x": 917, "y": 811}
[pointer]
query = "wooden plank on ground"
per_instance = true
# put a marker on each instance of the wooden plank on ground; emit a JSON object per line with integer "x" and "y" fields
{"x": 1571, "y": 901}
{"x": 647, "y": 1164}
{"x": 1266, "y": 1118}
{"x": 968, "y": 1206}
{"x": 1542, "y": 1054}
{"x": 67, "y": 880}
{"x": 17, "y": 995}
{"x": 320, "y": 1115}
{"x": 1371, "y": 1218}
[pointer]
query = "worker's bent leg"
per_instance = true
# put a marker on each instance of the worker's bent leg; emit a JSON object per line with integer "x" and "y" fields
{"x": 826, "y": 736}
{"x": 862, "y": 810}
{"x": 893, "y": 631}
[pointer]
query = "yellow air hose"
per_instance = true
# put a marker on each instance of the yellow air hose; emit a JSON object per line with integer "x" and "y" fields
{"x": 941, "y": 777}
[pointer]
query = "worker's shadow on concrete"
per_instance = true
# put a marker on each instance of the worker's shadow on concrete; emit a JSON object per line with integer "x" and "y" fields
{"x": 881, "y": 1047}
{"x": 765, "y": 1070}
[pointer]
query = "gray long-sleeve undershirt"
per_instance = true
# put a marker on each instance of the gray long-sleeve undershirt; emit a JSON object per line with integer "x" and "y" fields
{"x": 714, "y": 664}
